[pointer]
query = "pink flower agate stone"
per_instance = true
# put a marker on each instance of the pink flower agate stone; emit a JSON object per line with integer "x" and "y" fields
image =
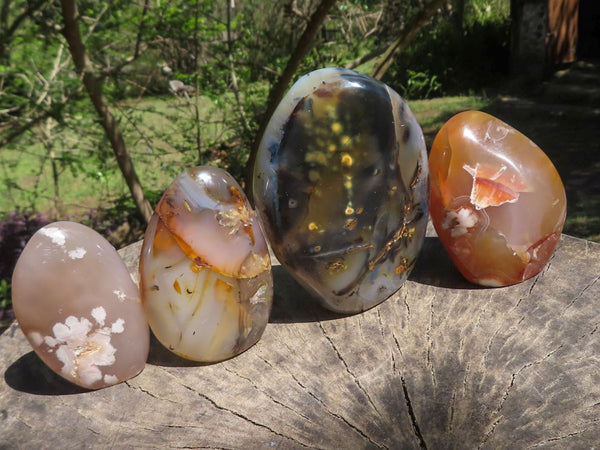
{"x": 77, "y": 305}
{"x": 205, "y": 269}
{"x": 497, "y": 202}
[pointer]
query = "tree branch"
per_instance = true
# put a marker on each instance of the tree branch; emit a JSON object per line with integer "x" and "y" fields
{"x": 7, "y": 31}
{"x": 93, "y": 86}
{"x": 366, "y": 58}
{"x": 139, "y": 47}
{"x": 407, "y": 35}
{"x": 277, "y": 91}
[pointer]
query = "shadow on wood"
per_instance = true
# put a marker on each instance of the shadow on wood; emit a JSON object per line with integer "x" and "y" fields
{"x": 435, "y": 268}
{"x": 30, "y": 375}
{"x": 159, "y": 355}
{"x": 292, "y": 303}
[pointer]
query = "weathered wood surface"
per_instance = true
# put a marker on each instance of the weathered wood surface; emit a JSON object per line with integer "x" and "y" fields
{"x": 442, "y": 364}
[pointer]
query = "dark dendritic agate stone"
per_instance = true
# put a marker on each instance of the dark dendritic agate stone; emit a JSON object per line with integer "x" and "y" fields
{"x": 340, "y": 184}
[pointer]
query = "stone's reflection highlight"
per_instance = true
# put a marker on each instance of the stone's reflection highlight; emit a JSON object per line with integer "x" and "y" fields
{"x": 78, "y": 306}
{"x": 205, "y": 270}
{"x": 497, "y": 202}
{"x": 340, "y": 184}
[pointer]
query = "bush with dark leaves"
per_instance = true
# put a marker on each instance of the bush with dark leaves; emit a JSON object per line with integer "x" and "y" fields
{"x": 16, "y": 228}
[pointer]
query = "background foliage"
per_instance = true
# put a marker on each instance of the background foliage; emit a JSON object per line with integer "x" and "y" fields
{"x": 50, "y": 138}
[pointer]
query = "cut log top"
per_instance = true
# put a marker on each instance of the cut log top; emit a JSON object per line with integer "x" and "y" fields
{"x": 441, "y": 364}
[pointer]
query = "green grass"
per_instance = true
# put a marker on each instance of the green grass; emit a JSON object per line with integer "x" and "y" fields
{"x": 159, "y": 134}
{"x": 432, "y": 114}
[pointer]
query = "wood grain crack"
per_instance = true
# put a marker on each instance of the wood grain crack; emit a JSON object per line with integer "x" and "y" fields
{"x": 535, "y": 281}
{"x": 451, "y": 421}
{"x": 380, "y": 324}
{"x": 583, "y": 291}
{"x": 354, "y": 377}
{"x": 270, "y": 397}
{"x": 557, "y": 438}
{"x": 245, "y": 418}
{"x": 195, "y": 447}
{"x": 533, "y": 285}
{"x": 337, "y": 416}
{"x": 467, "y": 370}
{"x": 21, "y": 420}
{"x": 93, "y": 431}
{"x": 141, "y": 389}
{"x": 488, "y": 348}
{"x": 498, "y": 410}
{"x": 413, "y": 419}
{"x": 397, "y": 344}
{"x": 430, "y": 343}
{"x": 407, "y": 310}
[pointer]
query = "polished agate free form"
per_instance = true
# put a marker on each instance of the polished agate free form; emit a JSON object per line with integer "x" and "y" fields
{"x": 77, "y": 305}
{"x": 340, "y": 183}
{"x": 205, "y": 270}
{"x": 497, "y": 201}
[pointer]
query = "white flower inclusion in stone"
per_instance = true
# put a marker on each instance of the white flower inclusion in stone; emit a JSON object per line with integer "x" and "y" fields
{"x": 99, "y": 314}
{"x": 82, "y": 350}
{"x": 78, "y": 253}
{"x": 57, "y": 235}
{"x": 110, "y": 379}
{"x": 459, "y": 221}
{"x": 120, "y": 295}
{"x": 118, "y": 326}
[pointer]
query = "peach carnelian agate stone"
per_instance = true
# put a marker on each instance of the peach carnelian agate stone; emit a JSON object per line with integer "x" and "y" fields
{"x": 78, "y": 306}
{"x": 497, "y": 202}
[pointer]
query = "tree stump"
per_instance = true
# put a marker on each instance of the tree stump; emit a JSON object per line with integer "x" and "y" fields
{"x": 441, "y": 364}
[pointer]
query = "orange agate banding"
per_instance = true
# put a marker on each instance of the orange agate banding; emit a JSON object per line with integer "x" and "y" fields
{"x": 493, "y": 187}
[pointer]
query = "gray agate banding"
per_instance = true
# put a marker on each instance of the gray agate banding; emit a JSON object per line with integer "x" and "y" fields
{"x": 341, "y": 187}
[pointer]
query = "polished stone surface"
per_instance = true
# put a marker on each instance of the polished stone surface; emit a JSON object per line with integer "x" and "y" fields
{"x": 497, "y": 202}
{"x": 340, "y": 184}
{"x": 78, "y": 306}
{"x": 205, "y": 271}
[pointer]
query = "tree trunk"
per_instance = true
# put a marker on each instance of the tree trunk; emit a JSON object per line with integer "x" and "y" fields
{"x": 442, "y": 364}
{"x": 407, "y": 35}
{"x": 458, "y": 14}
{"x": 278, "y": 90}
{"x": 93, "y": 86}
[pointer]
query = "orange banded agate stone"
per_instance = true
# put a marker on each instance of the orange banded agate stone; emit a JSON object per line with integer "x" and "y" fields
{"x": 497, "y": 201}
{"x": 205, "y": 270}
